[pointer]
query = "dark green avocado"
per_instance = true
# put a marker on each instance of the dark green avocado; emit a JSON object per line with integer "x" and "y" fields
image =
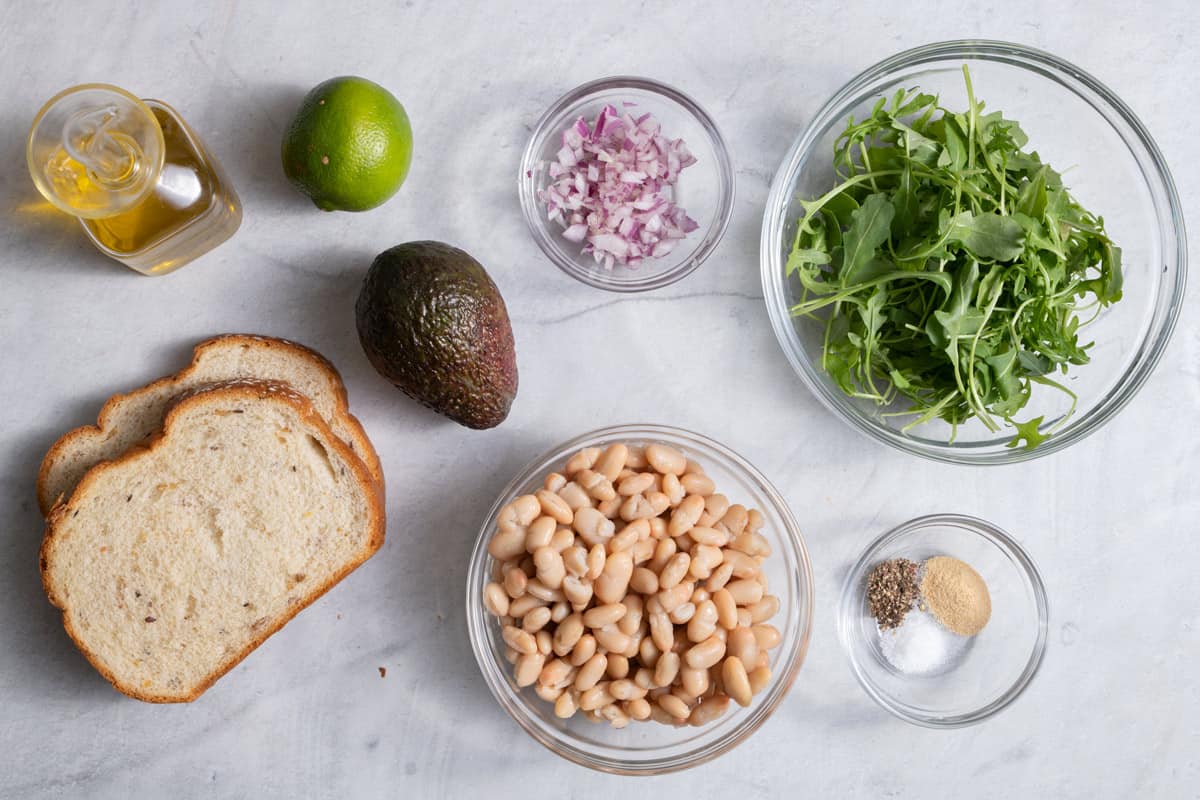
{"x": 432, "y": 322}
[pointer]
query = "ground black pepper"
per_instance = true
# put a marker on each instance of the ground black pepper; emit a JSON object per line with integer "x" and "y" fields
{"x": 892, "y": 589}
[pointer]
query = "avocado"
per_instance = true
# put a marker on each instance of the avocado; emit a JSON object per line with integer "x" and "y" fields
{"x": 432, "y": 322}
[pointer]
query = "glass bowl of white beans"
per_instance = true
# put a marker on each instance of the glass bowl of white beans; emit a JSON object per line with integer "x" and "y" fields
{"x": 559, "y": 670}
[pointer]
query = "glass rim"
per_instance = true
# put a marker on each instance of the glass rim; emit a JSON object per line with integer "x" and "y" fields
{"x": 1171, "y": 231}
{"x": 493, "y": 670}
{"x": 1012, "y": 549}
{"x": 547, "y": 125}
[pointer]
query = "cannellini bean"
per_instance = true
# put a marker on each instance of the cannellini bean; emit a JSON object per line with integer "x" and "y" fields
{"x": 662, "y": 633}
{"x": 595, "y": 697}
{"x": 544, "y": 592}
{"x": 511, "y": 655}
{"x": 642, "y": 581}
{"x": 767, "y": 636}
{"x": 636, "y": 507}
{"x": 495, "y": 600}
{"x": 599, "y": 616}
{"x": 577, "y": 590}
{"x": 759, "y": 679}
{"x": 658, "y": 527}
{"x": 515, "y": 583}
{"x": 635, "y": 458}
{"x": 555, "y": 507}
{"x": 662, "y": 554}
{"x": 744, "y": 566}
{"x": 611, "y": 509}
{"x": 744, "y": 618}
{"x": 536, "y": 619}
{"x": 632, "y": 620}
{"x": 720, "y": 576}
{"x": 674, "y": 706}
{"x": 716, "y": 505}
{"x": 591, "y": 672}
{"x": 694, "y": 467}
{"x": 703, "y": 623}
{"x": 694, "y": 681}
{"x": 705, "y": 654}
{"x": 567, "y": 633}
{"x": 658, "y": 501}
{"x": 592, "y": 526}
{"x": 524, "y": 604}
{"x": 584, "y": 459}
{"x": 548, "y": 693}
{"x": 643, "y": 551}
{"x": 673, "y": 489}
{"x": 539, "y": 533}
{"x": 644, "y": 677}
{"x": 710, "y": 709}
{"x": 565, "y": 706}
{"x": 697, "y": 483}
{"x": 764, "y": 659}
{"x": 545, "y": 642}
{"x": 616, "y": 717}
{"x": 705, "y": 558}
{"x": 596, "y": 485}
{"x": 595, "y": 561}
{"x": 575, "y": 560}
{"x": 709, "y": 536}
{"x": 637, "y": 483}
{"x": 670, "y": 599}
{"x": 754, "y": 520}
{"x": 667, "y": 668}
{"x": 648, "y": 652}
{"x": 625, "y": 689}
{"x": 666, "y": 460}
{"x": 519, "y": 640}
{"x": 528, "y": 508}
{"x": 574, "y": 496}
{"x": 612, "y": 461}
{"x": 682, "y": 614}
{"x": 745, "y": 592}
{"x": 554, "y": 482}
{"x": 507, "y": 545}
{"x": 550, "y": 568}
{"x": 736, "y": 681}
{"x": 675, "y": 571}
{"x": 735, "y": 518}
{"x": 613, "y": 582}
{"x": 618, "y": 666}
{"x": 638, "y": 708}
{"x": 625, "y": 540}
{"x": 585, "y": 649}
{"x": 639, "y": 527}
{"x": 528, "y": 667}
{"x": 752, "y": 544}
{"x": 764, "y": 609}
{"x": 685, "y": 515}
{"x": 554, "y": 673}
{"x": 742, "y": 645}
{"x": 611, "y": 639}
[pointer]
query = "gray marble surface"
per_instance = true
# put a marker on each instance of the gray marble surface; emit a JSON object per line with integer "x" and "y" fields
{"x": 1111, "y": 522}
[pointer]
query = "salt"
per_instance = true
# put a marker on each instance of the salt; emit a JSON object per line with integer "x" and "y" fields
{"x": 921, "y": 645}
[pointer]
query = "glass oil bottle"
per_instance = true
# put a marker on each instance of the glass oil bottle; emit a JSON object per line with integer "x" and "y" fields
{"x": 139, "y": 180}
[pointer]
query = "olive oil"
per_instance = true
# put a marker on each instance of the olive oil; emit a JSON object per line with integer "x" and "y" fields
{"x": 142, "y": 184}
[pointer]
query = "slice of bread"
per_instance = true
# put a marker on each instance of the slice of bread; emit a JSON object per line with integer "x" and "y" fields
{"x": 174, "y": 561}
{"x": 133, "y": 418}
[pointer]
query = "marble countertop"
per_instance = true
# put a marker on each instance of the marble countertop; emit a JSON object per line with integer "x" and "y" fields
{"x": 1112, "y": 522}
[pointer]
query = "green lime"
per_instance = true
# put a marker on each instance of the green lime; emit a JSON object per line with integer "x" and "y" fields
{"x": 349, "y": 145}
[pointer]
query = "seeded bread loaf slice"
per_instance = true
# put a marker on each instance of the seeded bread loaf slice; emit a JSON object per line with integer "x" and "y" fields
{"x": 174, "y": 561}
{"x": 133, "y": 418}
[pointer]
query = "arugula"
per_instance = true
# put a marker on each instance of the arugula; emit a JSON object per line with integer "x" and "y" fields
{"x": 949, "y": 265}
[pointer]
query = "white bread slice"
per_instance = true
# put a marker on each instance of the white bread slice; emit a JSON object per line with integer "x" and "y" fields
{"x": 129, "y": 419}
{"x": 174, "y": 561}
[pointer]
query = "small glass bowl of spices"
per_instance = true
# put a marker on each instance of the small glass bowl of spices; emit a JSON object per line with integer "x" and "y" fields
{"x": 944, "y": 620}
{"x": 626, "y": 184}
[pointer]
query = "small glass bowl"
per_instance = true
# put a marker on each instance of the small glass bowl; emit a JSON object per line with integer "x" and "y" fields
{"x": 1110, "y": 163}
{"x": 999, "y": 661}
{"x": 705, "y": 189}
{"x": 648, "y": 748}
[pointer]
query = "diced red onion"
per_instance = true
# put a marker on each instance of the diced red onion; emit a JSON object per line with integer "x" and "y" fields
{"x": 610, "y": 185}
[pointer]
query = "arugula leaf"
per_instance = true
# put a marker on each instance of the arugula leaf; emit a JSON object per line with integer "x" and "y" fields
{"x": 949, "y": 264}
{"x": 870, "y": 227}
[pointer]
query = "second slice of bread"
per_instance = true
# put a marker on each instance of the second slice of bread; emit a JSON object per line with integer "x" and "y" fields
{"x": 174, "y": 561}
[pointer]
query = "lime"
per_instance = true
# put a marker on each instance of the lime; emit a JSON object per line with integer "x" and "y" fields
{"x": 349, "y": 145}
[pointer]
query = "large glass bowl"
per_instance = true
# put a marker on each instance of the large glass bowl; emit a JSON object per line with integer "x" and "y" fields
{"x": 647, "y": 747}
{"x": 705, "y": 189}
{"x": 1111, "y": 165}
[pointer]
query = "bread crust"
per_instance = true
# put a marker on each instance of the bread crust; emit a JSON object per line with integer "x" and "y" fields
{"x": 271, "y": 391}
{"x": 171, "y": 383}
